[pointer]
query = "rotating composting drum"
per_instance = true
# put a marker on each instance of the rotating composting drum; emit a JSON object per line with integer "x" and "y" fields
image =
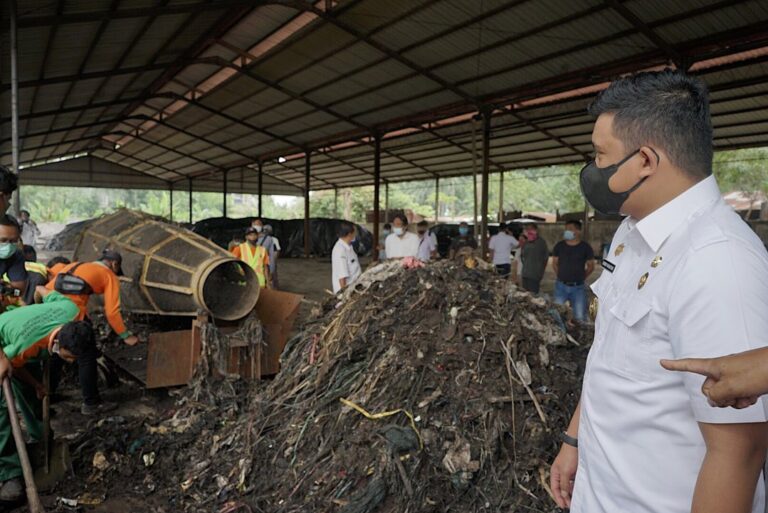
{"x": 170, "y": 270}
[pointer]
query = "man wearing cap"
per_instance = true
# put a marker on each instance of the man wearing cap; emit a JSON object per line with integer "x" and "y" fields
{"x": 28, "y": 335}
{"x": 101, "y": 277}
{"x": 254, "y": 254}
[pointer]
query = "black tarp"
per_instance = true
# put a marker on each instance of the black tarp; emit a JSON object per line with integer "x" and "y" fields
{"x": 290, "y": 233}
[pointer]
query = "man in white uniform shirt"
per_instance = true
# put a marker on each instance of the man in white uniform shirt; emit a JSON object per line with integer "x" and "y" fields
{"x": 685, "y": 277}
{"x": 345, "y": 264}
{"x": 501, "y": 246}
{"x": 401, "y": 243}
{"x": 427, "y": 247}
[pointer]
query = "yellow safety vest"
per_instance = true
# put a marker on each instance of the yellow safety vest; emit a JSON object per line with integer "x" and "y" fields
{"x": 36, "y": 267}
{"x": 31, "y": 267}
{"x": 255, "y": 256}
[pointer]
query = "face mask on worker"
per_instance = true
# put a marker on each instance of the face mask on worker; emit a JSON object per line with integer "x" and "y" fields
{"x": 594, "y": 186}
{"x": 569, "y": 235}
{"x": 399, "y": 230}
{"x": 7, "y": 249}
{"x": 463, "y": 231}
{"x": 258, "y": 228}
{"x": 387, "y": 232}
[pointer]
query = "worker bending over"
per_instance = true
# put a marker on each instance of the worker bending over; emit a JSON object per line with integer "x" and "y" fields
{"x": 254, "y": 254}
{"x": 31, "y": 334}
{"x": 78, "y": 281}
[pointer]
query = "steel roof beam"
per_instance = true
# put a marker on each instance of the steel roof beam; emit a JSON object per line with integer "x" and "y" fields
{"x": 224, "y": 23}
{"x": 99, "y": 32}
{"x": 146, "y": 12}
{"x": 642, "y": 27}
{"x": 405, "y": 49}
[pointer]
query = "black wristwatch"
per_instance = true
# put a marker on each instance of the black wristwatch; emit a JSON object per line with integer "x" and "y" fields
{"x": 567, "y": 439}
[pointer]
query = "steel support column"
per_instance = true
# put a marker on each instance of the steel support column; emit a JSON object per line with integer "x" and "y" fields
{"x": 484, "y": 187}
{"x": 376, "y": 193}
{"x": 15, "y": 104}
{"x": 437, "y": 200}
{"x": 307, "y": 234}
{"x": 224, "y": 198}
{"x": 190, "y": 199}
{"x": 386, "y": 202}
{"x": 336, "y": 202}
{"x": 501, "y": 197}
{"x": 261, "y": 184}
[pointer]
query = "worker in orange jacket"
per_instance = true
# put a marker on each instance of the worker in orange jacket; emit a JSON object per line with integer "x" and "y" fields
{"x": 101, "y": 277}
{"x": 254, "y": 254}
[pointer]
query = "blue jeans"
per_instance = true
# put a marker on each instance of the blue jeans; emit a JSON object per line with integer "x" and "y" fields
{"x": 576, "y": 295}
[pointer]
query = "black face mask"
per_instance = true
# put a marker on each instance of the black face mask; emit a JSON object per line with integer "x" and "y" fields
{"x": 594, "y": 186}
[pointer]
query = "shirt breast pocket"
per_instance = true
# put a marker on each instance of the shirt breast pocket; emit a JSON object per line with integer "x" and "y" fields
{"x": 632, "y": 354}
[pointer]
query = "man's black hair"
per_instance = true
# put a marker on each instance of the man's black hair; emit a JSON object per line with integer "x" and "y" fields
{"x": 30, "y": 254}
{"x": 463, "y": 223}
{"x": 8, "y": 220}
{"x": 532, "y": 225}
{"x": 402, "y": 218}
{"x": 58, "y": 260}
{"x": 423, "y": 224}
{"x": 574, "y": 222}
{"x": 9, "y": 182}
{"x": 664, "y": 109}
{"x": 387, "y": 226}
{"x": 77, "y": 337}
{"x": 345, "y": 228}
{"x": 25, "y": 212}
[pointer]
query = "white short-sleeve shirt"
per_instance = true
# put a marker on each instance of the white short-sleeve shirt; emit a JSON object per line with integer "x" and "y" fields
{"x": 401, "y": 247}
{"x": 426, "y": 247}
{"x": 344, "y": 264}
{"x": 502, "y": 245}
{"x": 689, "y": 280}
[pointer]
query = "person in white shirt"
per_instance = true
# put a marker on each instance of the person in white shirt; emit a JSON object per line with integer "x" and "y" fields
{"x": 401, "y": 243}
{"x": 500, "y": 247}
{"x": 345, "y": 263}
{"x": 643, "y": 439}
{"x": 427, "y": 248}
{"x": 274, "y": 254}
{"x": 29, "y": 229}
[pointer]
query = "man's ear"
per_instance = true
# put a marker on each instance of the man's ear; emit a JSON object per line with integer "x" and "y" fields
{"x": 650, "y": 161}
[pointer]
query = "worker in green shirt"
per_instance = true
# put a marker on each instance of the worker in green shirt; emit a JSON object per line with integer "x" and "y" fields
{"x": 29, "y": 334}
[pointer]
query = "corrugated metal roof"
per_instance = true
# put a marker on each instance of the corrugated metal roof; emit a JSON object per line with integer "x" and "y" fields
{"x": 191, "y": 88}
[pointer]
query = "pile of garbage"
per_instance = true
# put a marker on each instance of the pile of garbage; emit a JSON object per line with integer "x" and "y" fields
{"x": 440, "y": 388}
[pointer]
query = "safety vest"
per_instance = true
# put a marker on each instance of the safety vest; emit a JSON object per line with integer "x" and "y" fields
{"x": 36, "y": 267}
{"x": 31, "y": 267}
{"x": 255, "y": 256}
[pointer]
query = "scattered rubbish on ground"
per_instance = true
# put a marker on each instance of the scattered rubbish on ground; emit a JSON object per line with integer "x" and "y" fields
{"x": 440, "y": 388}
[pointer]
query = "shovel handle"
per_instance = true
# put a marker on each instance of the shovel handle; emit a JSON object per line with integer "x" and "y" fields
{"x": 33, "y": 500}
{"x": 47, "y": 415}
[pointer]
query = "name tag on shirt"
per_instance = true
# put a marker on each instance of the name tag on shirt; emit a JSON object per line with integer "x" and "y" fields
{"x": 608, "y": 265}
